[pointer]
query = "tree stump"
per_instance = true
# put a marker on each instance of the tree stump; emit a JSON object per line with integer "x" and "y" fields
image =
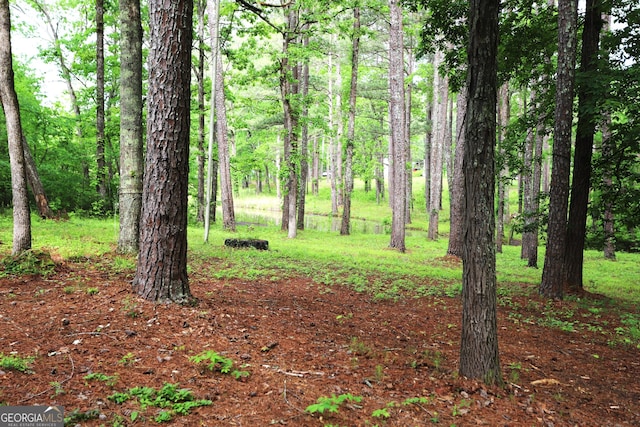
{"x": 259, "y": 244}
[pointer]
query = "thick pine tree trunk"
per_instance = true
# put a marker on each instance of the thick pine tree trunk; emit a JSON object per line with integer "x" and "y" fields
{"x": 581, "y": 182}
{"x": 9, "y": 100}
{"x": 161, "y": 274}
{"x": 479, "y": 344}
{"x": 553, "y": 274}
{"x": 131, "y": 162}
{"x": 396, "y": 122}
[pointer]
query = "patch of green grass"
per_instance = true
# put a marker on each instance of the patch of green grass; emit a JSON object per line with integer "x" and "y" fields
{"x": 16, "y": 363}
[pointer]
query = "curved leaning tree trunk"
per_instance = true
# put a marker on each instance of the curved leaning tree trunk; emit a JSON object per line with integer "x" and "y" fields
{"x": 161, "y": 274}
{"x": 9, "y": 99}
{"x": 33, "y": 179}
{"x": 131, "y": 164}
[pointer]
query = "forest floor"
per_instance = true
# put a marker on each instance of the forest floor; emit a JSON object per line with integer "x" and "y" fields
{"x": 293, "y": 342}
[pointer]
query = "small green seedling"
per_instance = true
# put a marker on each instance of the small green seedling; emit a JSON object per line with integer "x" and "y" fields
{"x": 331, "y": 404}
{"x": 217, "y": 362}
{"x": 110, "y": 380}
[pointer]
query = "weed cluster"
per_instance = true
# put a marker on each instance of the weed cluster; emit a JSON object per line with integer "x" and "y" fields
{"x": 171, "y": 399}
{"x": 16, "y": 363}
{"x": 30, "y": 262}
{"x": 216, "y": 362}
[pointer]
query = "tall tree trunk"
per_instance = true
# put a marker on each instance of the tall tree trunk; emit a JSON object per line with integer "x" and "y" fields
{"x": 503, "y": 187}
{"x": 479, "y": 344}
{"x": 315, "y": 167}
{"x": 333, "y": 157}
{"x": 199, "y": 74}
{"x": 397, "y": 127}
{"x": 351, "y": 126}
{"x": 101, "y": 162}
{"x": 224, "y": 160}
{"x": 339, "y": 133}
{"x": 213, "y": 7}
{"x": 304, "y": 137}
{"x": 527, "y": 181}
{"x": 289, "y": 79}
{"x": 553, "y": 275}
{"x": 161, "y": 274}
{"x": 609, "y": 218}
{"x": 407, "y": 136}
{"x": 449, "y": 149}
{"x": 532, "y": 253}
{"x": 607, "y": 149}
{"x": 441, "y": 92}
{"x": 9, "y": 99}
{"x": 131, "y": 131}
{"x": 456, "y": 204}
{"x": 585, "y": 130}
{"x": 428, "y": 143}
{"x": 33, "y": 180}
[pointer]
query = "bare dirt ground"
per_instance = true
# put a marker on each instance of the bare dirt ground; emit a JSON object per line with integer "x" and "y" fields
{"x": 300, "y": 341}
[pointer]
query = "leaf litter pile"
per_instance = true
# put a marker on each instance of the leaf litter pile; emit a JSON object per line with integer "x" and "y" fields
{"x": 298, "y": 353}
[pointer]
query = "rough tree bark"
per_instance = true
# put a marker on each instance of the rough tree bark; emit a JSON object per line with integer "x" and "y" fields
{"x": 9, "y": 99}
{"x": 224, "y": 159}
{"x": 397, "y": 185}
{"x": 585, "y": 130}
{"x": 288, "y": 89}
{"x": 351, "y": 126}
{"x": 161, "y": 274}
{"x": 456, "y": 205}
{"x": 479, "y": 343}
{"x": 131, "y": 132}
{"x": 503, "y": 187}
{"x": 553, "y": 274}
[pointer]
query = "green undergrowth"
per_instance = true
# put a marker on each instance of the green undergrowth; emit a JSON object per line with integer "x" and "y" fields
{"x": 170, "y": 399}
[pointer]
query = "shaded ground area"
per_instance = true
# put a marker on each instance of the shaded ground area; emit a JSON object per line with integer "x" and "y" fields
{"x": 299, "y": 341}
